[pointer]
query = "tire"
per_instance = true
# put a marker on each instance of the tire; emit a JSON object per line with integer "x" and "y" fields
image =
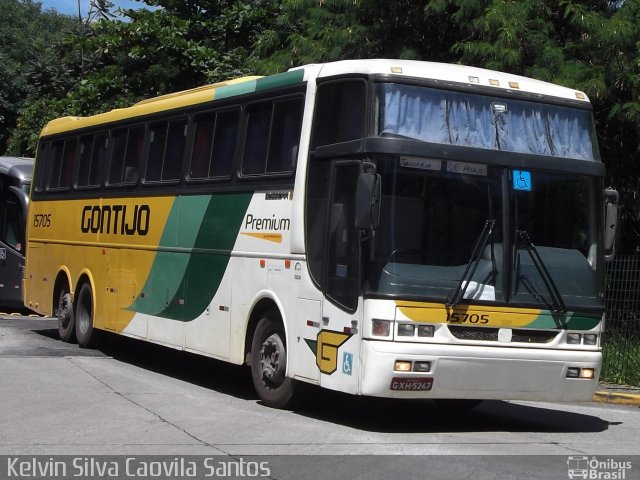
{"x": 269, "y": 364}
{"x": 64, "y": 314}
{"x": 84, "y": 317}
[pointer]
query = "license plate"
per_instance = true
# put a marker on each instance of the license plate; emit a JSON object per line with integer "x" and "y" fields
{"x": 411, "y": 384}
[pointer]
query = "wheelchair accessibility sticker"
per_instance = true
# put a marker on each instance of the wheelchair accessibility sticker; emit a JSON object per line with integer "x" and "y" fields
{"x": 347, "y": 363}
{"x": 522, "y": 180}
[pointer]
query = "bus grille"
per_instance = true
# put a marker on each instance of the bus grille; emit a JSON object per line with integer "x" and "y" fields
{"x": 487, "y": 334}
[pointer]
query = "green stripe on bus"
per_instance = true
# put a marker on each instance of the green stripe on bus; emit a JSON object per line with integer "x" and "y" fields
{"x": 279, "y": 80}
{"x": 261, "y": 84}
{"x": 233, "y": 90}
{"x": 568, "y": 321}
{"x": 219, "y": 230}
{"x": 160, "y": 287}
{"x": 195, "y": 286}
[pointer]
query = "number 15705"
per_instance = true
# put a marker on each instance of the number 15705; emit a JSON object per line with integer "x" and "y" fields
{"x": 459, "y": 317}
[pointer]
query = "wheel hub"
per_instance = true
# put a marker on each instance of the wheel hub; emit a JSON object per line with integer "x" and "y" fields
{"x": 63, "y": 313}
{"x": 273, "y": 359}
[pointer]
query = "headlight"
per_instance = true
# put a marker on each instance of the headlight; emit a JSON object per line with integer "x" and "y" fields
{"x": 406, "y": 330}
{"x": 425, "y": 330}
{"x": 574, "y": 338}
{"x": 380, "y": 328}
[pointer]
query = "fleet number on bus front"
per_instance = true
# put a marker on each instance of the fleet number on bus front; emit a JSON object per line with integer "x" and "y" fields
{"x": 42, "y": 220}
{"x": 459, "y": 317}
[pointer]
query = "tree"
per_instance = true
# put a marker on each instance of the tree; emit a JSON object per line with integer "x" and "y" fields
{"x": 311, "y": 31}
{"x": 30, "y": 63}
{"x": 179, "y": 46}
{"x": 590, "y": 45}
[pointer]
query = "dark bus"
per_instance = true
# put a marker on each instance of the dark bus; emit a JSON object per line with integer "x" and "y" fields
{"x": 15, "y": 181}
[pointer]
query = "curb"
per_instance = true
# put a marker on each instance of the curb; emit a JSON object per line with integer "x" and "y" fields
{"x": 603, "y": 396}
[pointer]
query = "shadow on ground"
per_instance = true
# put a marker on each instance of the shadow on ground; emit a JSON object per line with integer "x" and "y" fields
{"x": 362, "y": 413}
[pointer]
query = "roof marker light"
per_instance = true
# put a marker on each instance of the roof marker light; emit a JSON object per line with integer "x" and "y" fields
{"x": 580, "y": 96}
{"x": 396, "y": 69}
{"x": 514, "y": 85}
{"x": 495, "y": 83}
{"x": 474, "y": 79}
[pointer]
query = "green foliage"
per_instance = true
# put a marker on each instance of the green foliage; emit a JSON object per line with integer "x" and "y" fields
{"x": 53, "y": 65}
{"x": 312, "y": 31}
{"x": 621, "y": 357}
{"x": 30, "y": 62}
{"x": 118, "y": 62}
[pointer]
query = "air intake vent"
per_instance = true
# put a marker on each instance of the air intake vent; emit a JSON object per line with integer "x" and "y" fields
{"x": 487, "y": 334}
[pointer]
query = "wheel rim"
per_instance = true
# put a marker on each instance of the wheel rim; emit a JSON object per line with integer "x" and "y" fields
{"x": 64, "y": 313}
{"x": 273, "y": 361}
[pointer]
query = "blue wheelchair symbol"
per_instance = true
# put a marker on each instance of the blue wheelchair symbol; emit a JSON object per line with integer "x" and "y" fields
{"x": 347, "y": 363}
{"x": 522, "y": 180}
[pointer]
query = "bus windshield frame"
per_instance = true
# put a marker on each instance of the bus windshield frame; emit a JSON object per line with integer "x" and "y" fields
{"x": 544, "y": 248}
{"x": 434, "y": 214}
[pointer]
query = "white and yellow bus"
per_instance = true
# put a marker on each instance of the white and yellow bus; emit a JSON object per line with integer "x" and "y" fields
{"x": 378, "y": 227}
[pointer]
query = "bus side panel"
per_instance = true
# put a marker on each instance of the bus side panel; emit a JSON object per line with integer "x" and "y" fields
{"x": 249, "y": 286}
{"x": 210, "y": 332}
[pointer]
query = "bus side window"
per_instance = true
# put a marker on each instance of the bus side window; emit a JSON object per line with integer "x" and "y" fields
{"x": 41, "y": 167}
{"x": 214, "y": 145}
{"x": 285, "y": 135}
{"x": 272, "y": 136}
{"x": 340, "y": 112}
{"x": 202, "y": 144}
{"x": 119, "y": 141}
{"x": 166, "y": 150}
{"x": 174, "y": 153}
{"x": 63, "y": 160}
{"x": 256, "y": 141}
{"x": 126, "y": 155}
{"x": 224, "y": 143}
{"x": 135, "y": 148}
{"x": 93, "y": 153}
{"x": 157, "y": 142}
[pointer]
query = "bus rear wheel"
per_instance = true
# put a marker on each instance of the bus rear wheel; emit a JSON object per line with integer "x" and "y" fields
{"x": 84, "y": 317}
{"x": 64, "y": 314}
{"x": 269, "y": 364}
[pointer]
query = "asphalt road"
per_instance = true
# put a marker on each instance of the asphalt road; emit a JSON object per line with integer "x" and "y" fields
{"x": 133, "y": 398}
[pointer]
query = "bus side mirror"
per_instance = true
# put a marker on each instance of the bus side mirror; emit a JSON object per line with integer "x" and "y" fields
{"x": 368, "y": 201}
{"x": 611, "y": 199}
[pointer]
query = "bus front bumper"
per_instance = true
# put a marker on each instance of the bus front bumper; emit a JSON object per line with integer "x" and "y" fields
{"x": 477, "y": 372}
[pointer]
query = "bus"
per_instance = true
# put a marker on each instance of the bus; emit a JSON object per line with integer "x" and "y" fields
{"x": 385, "y": 228}
{"x": 15, "y": 181}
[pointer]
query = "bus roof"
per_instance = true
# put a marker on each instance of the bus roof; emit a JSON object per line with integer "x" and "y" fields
{"x": 446, "y": 73}
{"x": 20, "y": 168}
{"x": 171, "y": 101}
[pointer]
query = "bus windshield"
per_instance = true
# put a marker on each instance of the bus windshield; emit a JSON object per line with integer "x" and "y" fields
{"x": 434, "y": 214}
{"x": 482, "y": 121}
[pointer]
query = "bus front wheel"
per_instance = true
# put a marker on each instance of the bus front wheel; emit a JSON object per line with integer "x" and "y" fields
{"x": 269, "y": 364}
{"x": 84, "y": 317}
{"x": 64, "y": 314}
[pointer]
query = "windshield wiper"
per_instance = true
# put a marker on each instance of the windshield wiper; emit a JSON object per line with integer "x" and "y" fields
{"x": 556, "y": 299}
{"x": 460, "y": 290}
